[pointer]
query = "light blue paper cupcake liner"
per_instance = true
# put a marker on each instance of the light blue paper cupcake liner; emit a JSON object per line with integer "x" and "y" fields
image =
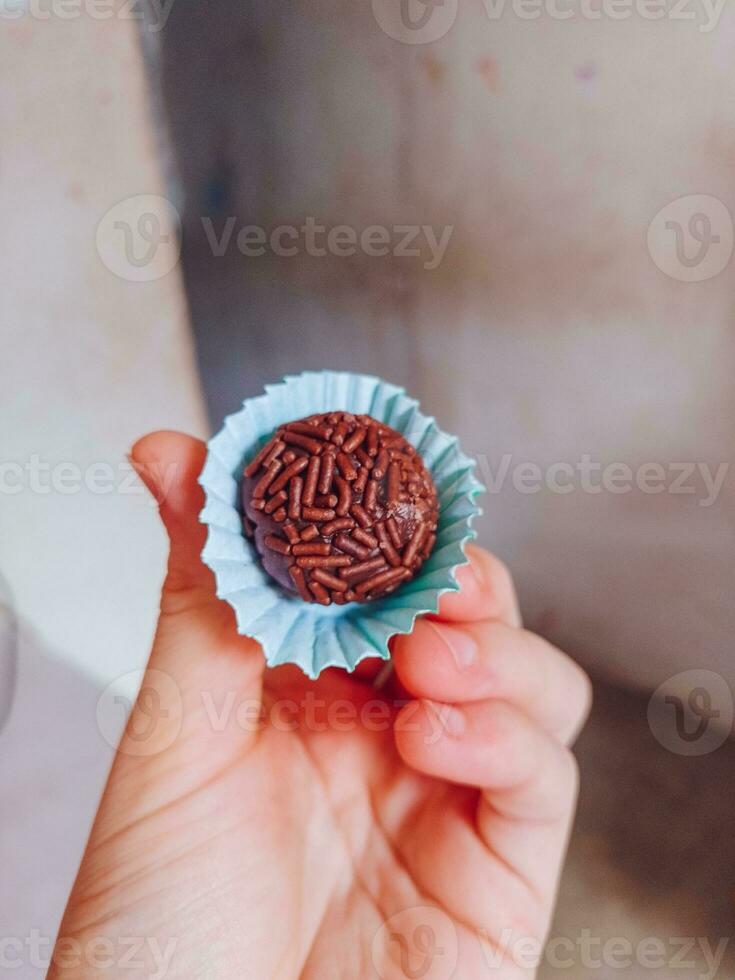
{"x": 310, "y": 635}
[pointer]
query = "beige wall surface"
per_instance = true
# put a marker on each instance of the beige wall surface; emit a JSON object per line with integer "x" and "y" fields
{"x": 90, "y": 358}
{"x": 552, "y": 329}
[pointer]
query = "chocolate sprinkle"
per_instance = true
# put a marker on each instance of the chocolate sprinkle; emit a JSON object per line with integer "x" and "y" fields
{"x": 275, "y": 502}
{"x": 341, "y": 508}
{"x": 310, "y": 484}
{"x": 292, "y": 533}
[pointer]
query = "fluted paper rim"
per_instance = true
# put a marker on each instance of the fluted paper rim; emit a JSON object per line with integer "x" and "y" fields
{"x": 312, "y": 636}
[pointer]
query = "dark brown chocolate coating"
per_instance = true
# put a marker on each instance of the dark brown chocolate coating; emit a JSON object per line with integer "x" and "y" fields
{"x": 341, "y": 508}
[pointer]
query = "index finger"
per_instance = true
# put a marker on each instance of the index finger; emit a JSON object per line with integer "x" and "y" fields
{"x": 486, "y": 591}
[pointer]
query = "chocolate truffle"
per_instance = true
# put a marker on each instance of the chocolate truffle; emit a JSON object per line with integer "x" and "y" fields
{"x": 341, "y": 508}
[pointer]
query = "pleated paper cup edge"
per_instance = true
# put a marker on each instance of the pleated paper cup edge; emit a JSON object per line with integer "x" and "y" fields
{"x": 472, "y": 489}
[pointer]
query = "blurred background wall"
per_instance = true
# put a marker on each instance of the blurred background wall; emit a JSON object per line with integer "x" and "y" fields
{"x": 91, "y": 358}
{"x": 568, "y": 318}
{"x": 547, "y": 333}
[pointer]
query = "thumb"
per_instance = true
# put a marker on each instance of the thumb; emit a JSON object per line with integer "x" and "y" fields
{"x": 196, "y": 642}
{"x": 169, "y": 463}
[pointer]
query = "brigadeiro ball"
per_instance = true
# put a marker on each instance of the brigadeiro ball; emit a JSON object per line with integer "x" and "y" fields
{"x": 341, "y": 507}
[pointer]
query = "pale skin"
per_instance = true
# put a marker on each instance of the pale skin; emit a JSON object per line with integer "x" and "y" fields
{"x": 415, "y": 829}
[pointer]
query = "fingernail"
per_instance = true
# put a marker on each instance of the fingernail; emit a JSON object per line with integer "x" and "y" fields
{"x": 460, "y": 643}
{"x": 449, "y": 719}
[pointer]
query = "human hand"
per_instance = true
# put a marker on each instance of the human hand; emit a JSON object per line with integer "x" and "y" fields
{"x": 414, "y": 830}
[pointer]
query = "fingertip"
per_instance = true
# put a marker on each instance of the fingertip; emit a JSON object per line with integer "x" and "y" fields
{"x": 434, "y": 659}
{"x": 167, "y": 446}
{"x": 486, "y": 591}
{"x": 484, "y": 744}
{"x": 169, "y": 463}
